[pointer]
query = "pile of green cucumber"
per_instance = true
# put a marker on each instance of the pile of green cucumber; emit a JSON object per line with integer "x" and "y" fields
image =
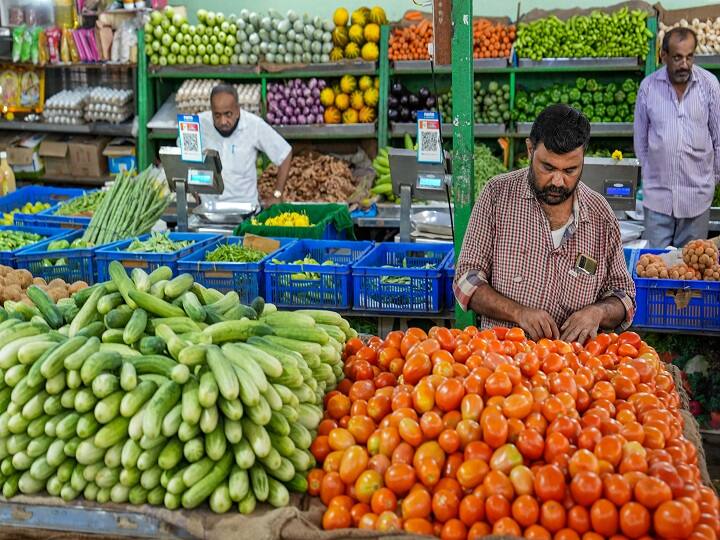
{"x": 150, "y": 388}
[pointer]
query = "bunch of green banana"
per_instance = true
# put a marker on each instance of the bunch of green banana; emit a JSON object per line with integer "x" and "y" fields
{"x": 383, "y": 181}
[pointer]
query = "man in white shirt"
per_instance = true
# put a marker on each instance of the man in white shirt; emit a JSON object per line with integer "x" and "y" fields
{"x": 238, "y": 136}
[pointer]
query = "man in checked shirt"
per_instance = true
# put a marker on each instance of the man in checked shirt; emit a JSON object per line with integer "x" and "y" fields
{"x": 677, "y": 140}
{"x": 542, "y": 250}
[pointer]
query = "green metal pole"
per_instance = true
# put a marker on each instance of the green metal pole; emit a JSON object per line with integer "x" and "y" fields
{"x": 651, "y": 60}
{"x": 143, "y": 104}
{"x": 463, "y": 141}
{"x": 384, "y": 74}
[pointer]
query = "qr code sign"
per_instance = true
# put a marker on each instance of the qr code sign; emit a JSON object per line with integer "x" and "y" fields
{"x": 429, "y": 141}
{"x": 191, "y": 142}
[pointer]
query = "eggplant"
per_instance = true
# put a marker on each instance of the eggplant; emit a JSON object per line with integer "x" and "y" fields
{"x": 423, "y": 93}
{"x": 430, "y": 102}
{"x": 393, "y": 102}
{"x": 413, "y": 115}
{"x": 404, "y": 114}
{"x": 413, "y": 102}
{"x": 404, "y": 101}
{"x": 397, "y": 89}
{"x": 393, "y": 115}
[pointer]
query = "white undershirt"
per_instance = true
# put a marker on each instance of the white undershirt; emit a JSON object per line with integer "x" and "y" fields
{"x": 558, "y": 234}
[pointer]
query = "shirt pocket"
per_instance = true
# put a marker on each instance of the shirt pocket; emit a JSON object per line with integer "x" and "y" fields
{"x": 578, "y": 289}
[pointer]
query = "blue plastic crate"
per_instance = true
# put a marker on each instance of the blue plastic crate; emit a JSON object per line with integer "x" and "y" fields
{"x": 449, "y": 276}
{"x": 79, "y": 262}
{"x": 244, "y": 278}
{"x": 22, "y": 196}
{"x": 9, "y": 258}
{"x": 407, "y": 286}
{"x": 148, "y": 261}
{"x": 629, "y": 254}
{"x": 48, "y": 217}
{"x": 675, "y": 304}
{"x": 330, "y": 286}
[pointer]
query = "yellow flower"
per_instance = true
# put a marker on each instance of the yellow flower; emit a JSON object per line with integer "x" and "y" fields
{"x": 617, "y": 155}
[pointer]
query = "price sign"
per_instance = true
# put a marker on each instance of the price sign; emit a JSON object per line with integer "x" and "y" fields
{"x": 190, "y": 139}
{"x": 428, "y": 137}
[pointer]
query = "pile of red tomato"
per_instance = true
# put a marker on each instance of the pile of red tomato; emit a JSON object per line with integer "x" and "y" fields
{"x": 461, "y": 434}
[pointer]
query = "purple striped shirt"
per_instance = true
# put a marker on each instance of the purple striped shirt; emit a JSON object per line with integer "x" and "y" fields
{"x": 678, "y": 143}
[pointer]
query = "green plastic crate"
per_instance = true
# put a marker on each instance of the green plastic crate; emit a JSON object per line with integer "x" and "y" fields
{"x": 330, "y": 222}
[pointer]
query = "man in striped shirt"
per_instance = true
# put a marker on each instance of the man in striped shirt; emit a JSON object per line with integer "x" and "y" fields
{"x": 677, "y": 140}
{"x": 542, "y": 250}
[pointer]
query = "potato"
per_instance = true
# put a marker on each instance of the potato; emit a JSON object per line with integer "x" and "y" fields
{"x": 40, "y": 282}
{"x": 57, "y": 283}
{"x": 25, "y": 300}
{"x": 77, "y": 286}
{"x": 25, "y": 277}
{"x": 56, "y": 293}
{"x": 4, "y": 270}
{"x": 13, "y": 292}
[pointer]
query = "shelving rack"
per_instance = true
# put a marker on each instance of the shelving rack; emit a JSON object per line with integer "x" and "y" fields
{"x": 61, "y": 76}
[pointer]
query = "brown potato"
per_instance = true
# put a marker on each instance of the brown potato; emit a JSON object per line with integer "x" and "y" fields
{"x": 25, "y": 277}
{"x": 13, "y": 292}
{"x": 77, "y": 286}
{"x": 40, "y": 282}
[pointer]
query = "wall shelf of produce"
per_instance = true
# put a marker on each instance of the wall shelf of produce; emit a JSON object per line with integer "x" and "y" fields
{"x": 710, "y": 61}
{"x": 328, "y": 131}
{"x": 263, "y": 71}
{"x": 595, "y": 64}
{"x": 400, "y": 129}
{"x": 124, "y": 129}
{"x": 597, "y": 129}
{"x": 488, "y": 65}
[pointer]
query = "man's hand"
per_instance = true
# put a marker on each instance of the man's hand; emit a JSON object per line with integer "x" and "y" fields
{"x": 582, "y": 325}
{"x": 272, "y": 200}
{"x": 538, "y": 324}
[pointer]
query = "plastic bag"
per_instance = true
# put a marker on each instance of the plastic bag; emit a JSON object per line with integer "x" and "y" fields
{"x": 27, "y": 45}
{"x": 65, "y": 47}
{"x": 17, "y": 42}
{"x": 42, "y": 48}
{"x": 53, "y": 36}
{"x": 34, "y": 47}
{"x": 74, "y": 55}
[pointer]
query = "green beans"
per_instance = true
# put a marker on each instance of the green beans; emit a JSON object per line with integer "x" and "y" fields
{"x": 234, "y": 253}
{"x": 158, "y": 243}
{"x": 85, "y": 204}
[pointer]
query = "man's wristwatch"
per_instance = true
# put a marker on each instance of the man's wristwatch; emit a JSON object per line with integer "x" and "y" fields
{"x": 277, "y": 194}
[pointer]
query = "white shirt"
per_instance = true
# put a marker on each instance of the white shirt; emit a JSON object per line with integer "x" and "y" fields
{"x": 557, "y": 235}
{"x": 238, "y": 154}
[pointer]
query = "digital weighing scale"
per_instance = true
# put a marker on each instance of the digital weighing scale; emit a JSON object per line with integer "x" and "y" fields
{"x": 413, "y": 180}
{"x": 616, "y": 180}
{"x": 201, "y": 178}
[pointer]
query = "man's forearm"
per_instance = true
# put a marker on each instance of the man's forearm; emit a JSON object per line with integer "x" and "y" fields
{"x": 613, "y": 312}
{"x": 283, "y": 171}
{"x": 488, "y": 302}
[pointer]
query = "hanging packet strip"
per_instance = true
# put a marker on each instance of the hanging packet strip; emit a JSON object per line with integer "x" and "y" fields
{"x": 17, "y": 42}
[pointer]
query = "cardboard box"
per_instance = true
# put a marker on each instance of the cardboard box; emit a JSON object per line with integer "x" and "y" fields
{"x": 86, "y": 156}
{"x": 121, "y": 155}
{"x": 23, "y": 154}
{"x": 56, "y": 156}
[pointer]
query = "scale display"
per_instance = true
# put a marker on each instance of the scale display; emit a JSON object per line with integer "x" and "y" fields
{"x": 429, "y": 182}
{"x": 618, "y": 189}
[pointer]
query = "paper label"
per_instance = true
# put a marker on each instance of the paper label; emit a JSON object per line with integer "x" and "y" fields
{"x": 268, "y": 245}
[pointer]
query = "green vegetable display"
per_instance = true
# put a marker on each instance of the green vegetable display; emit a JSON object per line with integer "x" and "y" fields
{"x": 158, "y": 243}
{"x": 491, "y": 103}
{"x": 59, "y": 245}
{"x": 84, "y": 205}
{"x": 716, "y": 197}
{"x": 612, "y": 102}
{"x": 138, "y": 402}
{"x": 235, "y": 253}
{"x": 486, "y": 166}
{"x": 11, "y": 240}
{"x": 129, "y": 208}
{"x": 623, "y": 33}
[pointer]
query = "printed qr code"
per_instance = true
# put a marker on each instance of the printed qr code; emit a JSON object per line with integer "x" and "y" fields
{"x": 191, "y": 142}
{"x": 429, "y": 141}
